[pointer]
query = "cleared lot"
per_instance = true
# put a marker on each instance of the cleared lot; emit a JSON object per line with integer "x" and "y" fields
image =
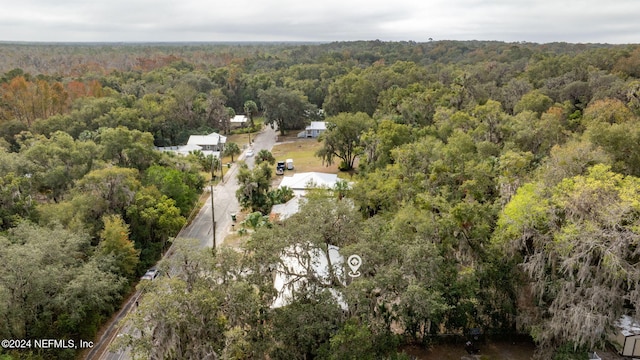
{"x": 303, "y": 151}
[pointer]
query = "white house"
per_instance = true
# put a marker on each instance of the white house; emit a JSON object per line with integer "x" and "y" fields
{"x": 211, "y": 144}
{"x": 314, "y": 129}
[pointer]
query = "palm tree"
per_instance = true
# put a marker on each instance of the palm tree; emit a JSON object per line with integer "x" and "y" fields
{"x": 250, "y": 109}
{"x": 265, "y": 155}
{"x": 231, "y": 149}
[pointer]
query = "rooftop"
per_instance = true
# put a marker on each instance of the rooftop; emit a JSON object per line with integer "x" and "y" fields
{"x": 308, "y": 180}
{"x": 284, "y": 211}
{"x": 239, "y": 119}
{"x": 211, "y": 139}
{"x": 628, "y": 326}
{"x": 317, "y": 125}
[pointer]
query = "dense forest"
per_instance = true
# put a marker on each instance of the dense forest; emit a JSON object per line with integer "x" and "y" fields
{"x": 496, "y": 187}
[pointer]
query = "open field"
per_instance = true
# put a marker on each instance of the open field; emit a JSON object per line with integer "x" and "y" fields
{"x": 241, "y": 139}
{"x": 303, "y": 151}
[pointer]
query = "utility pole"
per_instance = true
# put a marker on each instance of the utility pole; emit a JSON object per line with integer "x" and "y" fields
{"x": 213, "y": 213}
{"x": 221, "y": 173}
{"x": 213, "y": 219}
{"x": 220, "y": 151}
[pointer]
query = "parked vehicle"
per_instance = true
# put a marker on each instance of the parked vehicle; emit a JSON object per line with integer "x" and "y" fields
{"x": 280, "y": 166}
{"x": 289, "y": 164}
{"x": 151, "y": 274}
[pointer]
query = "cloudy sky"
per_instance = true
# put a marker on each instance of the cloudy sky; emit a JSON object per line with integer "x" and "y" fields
{"x": 576, "y": 21}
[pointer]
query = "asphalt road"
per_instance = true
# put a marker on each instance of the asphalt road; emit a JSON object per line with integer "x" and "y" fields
{"x": 225, "y": 203}
{"x": 224, "y": 198}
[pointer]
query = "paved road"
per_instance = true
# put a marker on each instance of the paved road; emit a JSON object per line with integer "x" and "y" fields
{"x": 265, "y": 140}
{"x": 225, "y": 202}
{"x": 224, "y": 198}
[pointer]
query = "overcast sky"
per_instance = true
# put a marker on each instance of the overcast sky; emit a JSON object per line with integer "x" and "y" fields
{"x": 542, "y": 21}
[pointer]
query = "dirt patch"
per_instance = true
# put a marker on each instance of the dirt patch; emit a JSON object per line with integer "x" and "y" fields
{"x": 488, "y": 351}
{"x": 610, "y": 355}
{"x": 491, "y": 350}
{"x": 233, "y": 238}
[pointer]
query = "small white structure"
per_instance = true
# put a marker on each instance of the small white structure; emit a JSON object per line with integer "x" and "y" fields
{"x": 626, "y": 339}
{"x": 289, "y": 163}
{"x": 301, "y": 262}
{"x": 301, "y": 182}
{"x": 239, "y": 120}
{"x": 315, "y": 129}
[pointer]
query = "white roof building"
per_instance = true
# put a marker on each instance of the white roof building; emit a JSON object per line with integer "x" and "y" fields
{"x": 309, "y": 180}
{"x": 211, "y": 144}
{"x": 239, "y": 120}
{"x": 213, "y": 141}
{"x": 317, "y": 125}
{"x": 314, "y": 129}
{"x": 284, "y": 211}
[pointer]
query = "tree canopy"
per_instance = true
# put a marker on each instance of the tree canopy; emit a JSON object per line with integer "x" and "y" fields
{"x": 342, "y": 138}
{"x": 284, "y": 108}
{"x": 492, "y": 184}
{"x": 577, "y": 243}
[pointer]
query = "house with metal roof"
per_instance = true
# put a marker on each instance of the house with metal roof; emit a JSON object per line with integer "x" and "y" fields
{"x": 212, "y": 144}
{"x": 239, "y": 121}
{"x": 315, "y": 129}
{"x": 309, "y": 180}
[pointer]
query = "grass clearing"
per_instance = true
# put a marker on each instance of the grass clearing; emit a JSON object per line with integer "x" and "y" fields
{"x": 241, "y": 139}
{"x": 303, "y": 152}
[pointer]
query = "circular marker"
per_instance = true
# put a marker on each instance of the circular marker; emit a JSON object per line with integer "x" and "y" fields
{"x": 354, "y": 263}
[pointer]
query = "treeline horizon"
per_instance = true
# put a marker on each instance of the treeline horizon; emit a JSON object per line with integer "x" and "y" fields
{"x": 12, "y": 54}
